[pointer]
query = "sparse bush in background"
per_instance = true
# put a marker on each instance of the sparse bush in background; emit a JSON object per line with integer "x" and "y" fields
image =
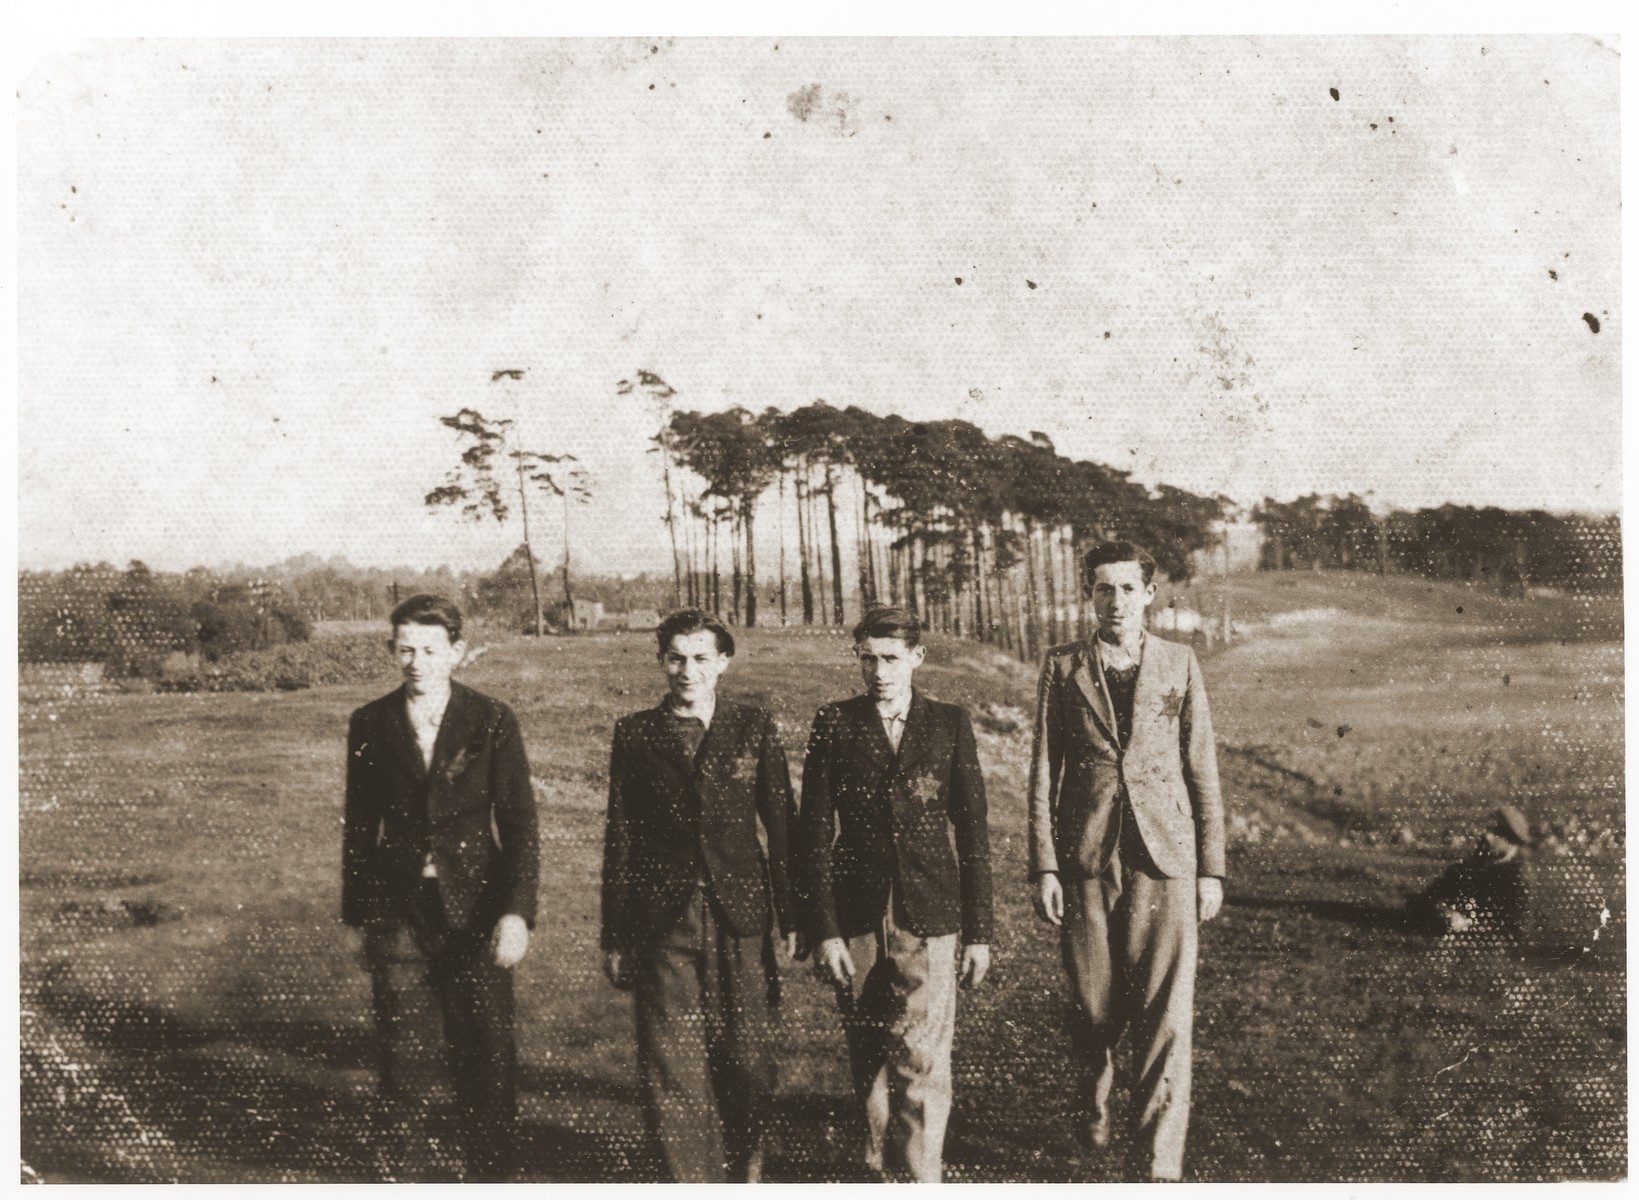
{"x": 236, "y": 620}
{"x": 132, "y": 621}
{"x": 350, "y": 658}
{"x": 129, "y": 621}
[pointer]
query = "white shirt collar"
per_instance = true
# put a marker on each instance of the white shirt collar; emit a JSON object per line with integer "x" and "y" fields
{"x": 1102, "y": 648}
{"x": 701, "y": 712}
{"x": 899, "y": 713}
{"x": 428, "y": 705}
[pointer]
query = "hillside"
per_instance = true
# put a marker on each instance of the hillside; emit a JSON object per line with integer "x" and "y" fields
{"x": 190, "y": 995}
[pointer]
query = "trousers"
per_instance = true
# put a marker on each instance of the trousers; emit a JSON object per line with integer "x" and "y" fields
{"x": 704, "y": 1045}
{"x": 899, "y": 1030}
{"x": 444, "y": 1024}
{"x": 1129, "y": 945}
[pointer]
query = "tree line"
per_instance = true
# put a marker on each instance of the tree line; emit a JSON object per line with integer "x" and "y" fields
{"x": 978, "y": 534}
{"x": 1508, "y": 549}
{"x": 131, "y": 619}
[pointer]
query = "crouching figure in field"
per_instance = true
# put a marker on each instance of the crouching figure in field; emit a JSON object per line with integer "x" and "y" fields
{"x": 1485, "y": 892}
{"x": 1127, "y": 851}
{"x": 439, "y": 865}
{"x": 691, "y": 902}
{"x": 899, "y": 773}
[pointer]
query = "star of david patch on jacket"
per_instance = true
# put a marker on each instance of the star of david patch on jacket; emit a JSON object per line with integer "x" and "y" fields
{"x": 457, "y": 764}
{"x": 1172, "y": 705}
{"x": 926, "y": 788}
{"x": 745, "y": 769}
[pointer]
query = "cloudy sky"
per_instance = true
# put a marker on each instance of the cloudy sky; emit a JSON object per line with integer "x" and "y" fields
{"x": 252, "y": 274}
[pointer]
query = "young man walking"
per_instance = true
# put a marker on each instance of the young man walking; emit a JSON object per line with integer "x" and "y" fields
{"x": 439, "y": 864}
{"x": 889, "y": 775}
{"x": 690, "y": 904}
{"x": 1127, "y": 851}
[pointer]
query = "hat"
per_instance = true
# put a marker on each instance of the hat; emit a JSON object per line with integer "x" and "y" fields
{"x": 1513, "y": 825}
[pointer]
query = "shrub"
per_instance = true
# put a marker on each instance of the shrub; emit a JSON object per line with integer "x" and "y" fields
{"x": 353, "y": 658}
{"x": 293, "y": 624}
{"x": 128, "y": 620}
{"x": 233, "y": 626}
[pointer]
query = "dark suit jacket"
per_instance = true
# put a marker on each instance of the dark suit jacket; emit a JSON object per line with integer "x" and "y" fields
{"x": 474, "y": 810}
{"x": 670, "y": 815}
{"x": 896, "y": 813}
{"x": 1170, "y": 768}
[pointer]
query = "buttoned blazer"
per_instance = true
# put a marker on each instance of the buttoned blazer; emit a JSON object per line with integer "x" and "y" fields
{"x": 669, "y": 814}
{"x": 1170, "y": 767}
{"x": 872, "y": 819}
{"x": 473, "y": 809}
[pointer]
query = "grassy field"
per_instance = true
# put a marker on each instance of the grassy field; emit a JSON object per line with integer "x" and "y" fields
{"x": 193, "y": 1010}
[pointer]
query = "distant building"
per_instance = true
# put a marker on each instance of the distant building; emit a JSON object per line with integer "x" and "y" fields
{"x": 1241, "y": 541}
{"x": 585, "y": 615}
{"x": 638, "y": 618}
{"x": 1175, "y": 618}
{"x": 589, "y": 616}
{"x": 39, "y": 680}
{"x": 61, "y": 674}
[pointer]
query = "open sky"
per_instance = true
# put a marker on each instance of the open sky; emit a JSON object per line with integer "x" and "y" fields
{"x": 253, "y": 273}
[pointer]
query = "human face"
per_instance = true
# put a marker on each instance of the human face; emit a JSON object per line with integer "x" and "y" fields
{"x": 887, "y": 664}
{"x": 1120, "y": 597}
{"x": 426, "y": 656}
{"x": 693, "y": 664}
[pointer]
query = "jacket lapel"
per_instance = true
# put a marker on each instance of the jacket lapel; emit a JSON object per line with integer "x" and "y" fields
{"x": 1091, "y": 683}
{"x": 402, "y": 735}
{"x": 667, "y": 741}
{"x": 720, "y": 758}
{"x": 908, "y": 789}
{"x": 1146, "y": 694}
{"x": 454, "y": 731}
{"x": 871, "y": 738}
{"x": 721, "y": 741}
{"x": 913, "y": 740}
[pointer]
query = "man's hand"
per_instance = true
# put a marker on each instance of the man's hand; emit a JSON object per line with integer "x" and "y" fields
{"x": 975, "y": 964}
{"x": 833, "y": 963}
{"x": 618, "y": 969}
{"x": 1049, "y": 898}
{"x": 1209, "y": 893}
{"x": 511, "y": 940}
{"x": 791, "y": 945}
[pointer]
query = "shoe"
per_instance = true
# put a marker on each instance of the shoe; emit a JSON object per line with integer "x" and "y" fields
{"x": 1138, "y": 1172}
{"x": 1096, "y": 1131}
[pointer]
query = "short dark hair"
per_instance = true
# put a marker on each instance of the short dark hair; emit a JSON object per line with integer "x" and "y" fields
{"x": 428, "y": 609}
{"x": 885, "y": 622}
{"x": 693, "y": 620}
{"x": 1105, "y": 553}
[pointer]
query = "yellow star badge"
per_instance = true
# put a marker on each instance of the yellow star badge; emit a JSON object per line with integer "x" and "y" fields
{"x": 1172, "y": 705}
{"x": 745, "y": 769}
{"x": 926, "y": 788}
